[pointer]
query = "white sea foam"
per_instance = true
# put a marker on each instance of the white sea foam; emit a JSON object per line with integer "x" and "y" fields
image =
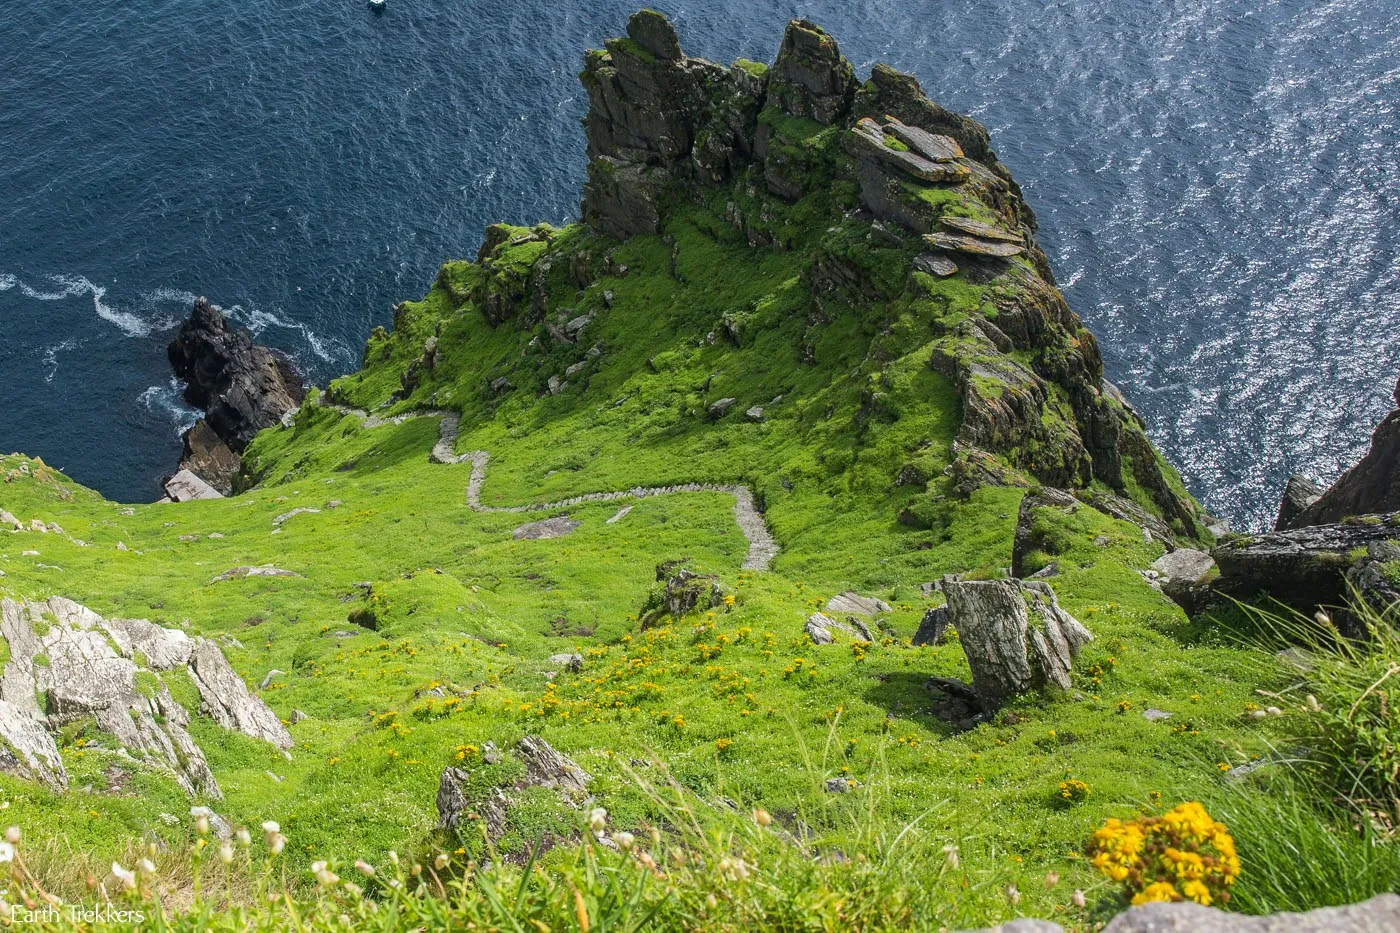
{"x": 258, "y": 320}
{"x": 51, "y": 357}
{"x": 73, "y": 286}
{"x": 166, "y": 400}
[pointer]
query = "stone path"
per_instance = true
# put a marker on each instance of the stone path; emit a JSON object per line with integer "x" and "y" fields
{"x": 762, "y": 547}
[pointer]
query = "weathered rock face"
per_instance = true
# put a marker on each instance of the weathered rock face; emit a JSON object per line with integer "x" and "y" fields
{"x": 1369, "y": 488}
{"x": 225, "y": 698}
{"x": 68, "y": 664}
{"x": 811, "y": 79}
{"x": 1015, "y": 635}
{"x": 242, "y": 387}
{"x": 1298, "y": 495}
{"x": 1307, "y": 568}
{"x": 209, "y": 457}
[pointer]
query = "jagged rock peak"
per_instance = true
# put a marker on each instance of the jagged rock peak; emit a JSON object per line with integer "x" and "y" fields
{"x": 654, "y": 32}
{"x": 811, "y": 78}
{"x": 1370, "y": 487}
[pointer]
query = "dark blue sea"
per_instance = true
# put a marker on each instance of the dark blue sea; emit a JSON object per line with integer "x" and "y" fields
{"x": 1218, "y": 186}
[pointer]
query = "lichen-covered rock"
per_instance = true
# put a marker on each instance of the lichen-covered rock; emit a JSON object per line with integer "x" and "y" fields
{"x": 1381, "y": 914}
{"x": 27, "y": 748}
{"x": 822, "y": 629}
{"x": 682, "y": 590}
{"x": 811, "y": 79}
{"x": 848, "y": 602}
{"x": 1306, "y": 567}
{"x": 1184, "y": 575}
{"x": 556, "y": 527}
{"x": 546, "y": 767}
{"x": 86, "y": 672}
{"x": 185, "y": 486}
{"x": 931, "y": 627}
{"x": 225, "y": 698}
{"x": 1015, "y": 635}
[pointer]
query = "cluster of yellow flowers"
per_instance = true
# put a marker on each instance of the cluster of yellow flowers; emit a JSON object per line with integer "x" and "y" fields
{"x": 1183, "y": 855}
{"x": 1073, "y": 791}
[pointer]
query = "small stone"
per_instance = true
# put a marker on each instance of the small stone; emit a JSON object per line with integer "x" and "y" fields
{"x": 838, "y": 785}
{"x": 621, "y": 514}
{"x": 298, "y": 717}
{"x": 267, "y": 680}
{"x": 217, "y": 824}
{"x": 572, "y": 663}
{"x": 556, "y": 527}
{"x": 755, "y": 413}
{"x": 721, "y": 408}
{"x": 1156, "y": 715}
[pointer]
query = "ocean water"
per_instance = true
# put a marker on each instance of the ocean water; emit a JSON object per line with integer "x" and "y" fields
{"x": 1217, "y": 182}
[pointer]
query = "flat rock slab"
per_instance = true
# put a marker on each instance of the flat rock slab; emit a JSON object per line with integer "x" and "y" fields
{"x": 556, "y": 527}
{"x": 854, "y": 602}
{"x": 983, "y": 231}
{"x": 1185, "y": 565}
{"x": 186, "y": 487}
{"x": 936, "y": 264}
{"x": 932, "y": 146}
{"x": 621, "y": 514}
{"x": 266, "y": 570}
{"x": 1156, "y": 715}
{"x": 962, "y": 243}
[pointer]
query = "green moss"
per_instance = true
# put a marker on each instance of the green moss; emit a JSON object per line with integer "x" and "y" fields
{"x": 756, "y": 69}
{"x": 895, "y": 144}
{"x": 630, "y": 48}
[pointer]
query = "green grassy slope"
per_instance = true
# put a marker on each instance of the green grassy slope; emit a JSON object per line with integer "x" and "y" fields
{"x": 403, "y": 589}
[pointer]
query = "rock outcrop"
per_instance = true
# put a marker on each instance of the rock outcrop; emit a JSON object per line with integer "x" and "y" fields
{"x": 1015, "y": 635}
{"x": 822, "y": 629}
{"x": 1371, "y": 487}
{"x": 545, "y": 768}
{"x": 67, "y": 664}
{"x": 664, "y": 128}
{"x": 681, "y": 590}
{"x": 241, "y": 386}
{"x": 1314, "y": 566}
{"x": 224, "y": 697}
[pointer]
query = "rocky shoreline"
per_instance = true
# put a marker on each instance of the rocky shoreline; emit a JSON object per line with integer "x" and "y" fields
{"x": 242, "y": 388}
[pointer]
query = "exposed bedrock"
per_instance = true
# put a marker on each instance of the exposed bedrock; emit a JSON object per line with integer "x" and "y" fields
{"x": 69, "y": 665}
{"x": 241, "y": 386}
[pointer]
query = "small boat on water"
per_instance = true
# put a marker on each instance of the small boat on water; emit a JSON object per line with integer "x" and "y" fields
{"x": 377, "y": 5}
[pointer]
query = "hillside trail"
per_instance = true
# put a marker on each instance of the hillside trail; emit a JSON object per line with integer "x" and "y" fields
{"x": 762, "y": 547}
